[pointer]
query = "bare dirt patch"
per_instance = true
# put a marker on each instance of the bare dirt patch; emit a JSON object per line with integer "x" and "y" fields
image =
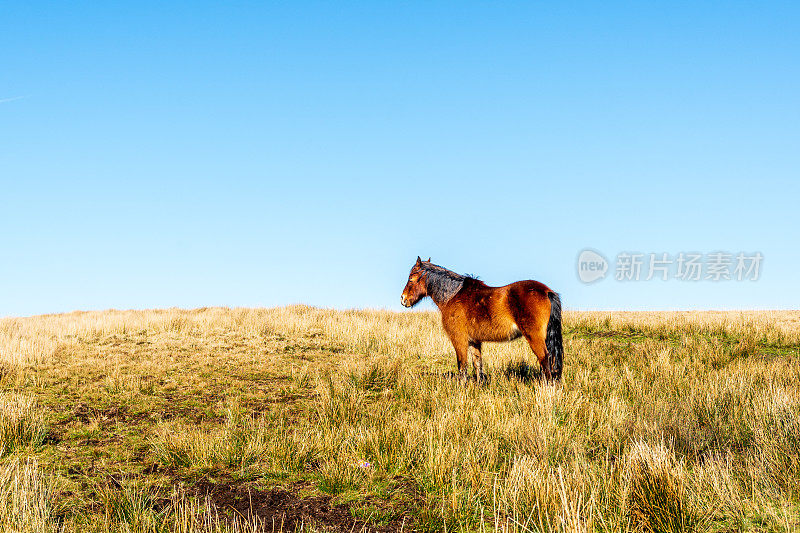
{"x": 286, "y": 510}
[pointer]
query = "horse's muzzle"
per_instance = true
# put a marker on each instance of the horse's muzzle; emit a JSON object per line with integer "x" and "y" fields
{"x": 404, "y": 301}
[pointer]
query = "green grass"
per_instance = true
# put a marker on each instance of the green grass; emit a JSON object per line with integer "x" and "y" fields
{"x": 663, "y": 422}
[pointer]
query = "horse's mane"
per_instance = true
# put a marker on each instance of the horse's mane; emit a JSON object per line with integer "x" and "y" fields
{"x": 443, "y": 284}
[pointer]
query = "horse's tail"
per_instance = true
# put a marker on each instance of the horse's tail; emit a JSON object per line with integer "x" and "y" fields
{"x": 555, "y": 349}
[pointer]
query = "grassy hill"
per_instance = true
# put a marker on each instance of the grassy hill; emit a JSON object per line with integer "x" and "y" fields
{"x": 302, "y": 418}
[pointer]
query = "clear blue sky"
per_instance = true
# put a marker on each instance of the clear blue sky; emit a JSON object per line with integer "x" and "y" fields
{"x": 248, "y": 154}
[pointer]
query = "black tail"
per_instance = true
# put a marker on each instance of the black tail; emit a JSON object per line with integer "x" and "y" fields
{"x": 555, "y": 349}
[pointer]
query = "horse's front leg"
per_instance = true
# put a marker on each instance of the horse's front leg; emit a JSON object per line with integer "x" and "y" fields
{"x": 461, "y": 346}
{"x": 454, "y": 326}
{"x": 462, "y": 353}
{"x": 477, "y": 361}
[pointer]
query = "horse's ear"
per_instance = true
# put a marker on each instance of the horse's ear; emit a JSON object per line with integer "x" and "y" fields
{"x": 419, "y": 261}
{"x": 429, "y": 260}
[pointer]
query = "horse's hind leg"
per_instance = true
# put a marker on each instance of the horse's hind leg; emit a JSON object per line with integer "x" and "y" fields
{"x": 540, "y": 350}
{"x": 477, "y": 361}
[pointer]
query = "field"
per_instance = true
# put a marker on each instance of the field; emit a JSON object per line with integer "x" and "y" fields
{"x": 300, "y": 418}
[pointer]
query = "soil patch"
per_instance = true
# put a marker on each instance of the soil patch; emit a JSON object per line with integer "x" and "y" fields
{"x": 280, "y": 509}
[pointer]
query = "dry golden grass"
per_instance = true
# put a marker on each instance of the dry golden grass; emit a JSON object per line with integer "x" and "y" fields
{"x": 25, "y": 499}
{"x": 663, "y": 422}
{"x": 21, "y": 423}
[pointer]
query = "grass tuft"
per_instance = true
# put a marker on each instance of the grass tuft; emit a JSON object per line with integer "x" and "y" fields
{"x": 25, "y": 499}
{"x": 656, "y": 493}
{"x": 22, "y": 423}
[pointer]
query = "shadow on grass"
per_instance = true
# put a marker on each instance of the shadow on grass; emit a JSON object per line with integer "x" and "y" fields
{"x": 516, "y": 370}
{"x": 522, "y": 371}
{"x": 455, "y": 376}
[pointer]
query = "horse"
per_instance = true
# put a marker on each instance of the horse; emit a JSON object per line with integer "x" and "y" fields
{"x": 473, "y": 313}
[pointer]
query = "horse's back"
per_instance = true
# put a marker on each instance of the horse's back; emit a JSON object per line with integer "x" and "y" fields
{"x": 499, "y": 313}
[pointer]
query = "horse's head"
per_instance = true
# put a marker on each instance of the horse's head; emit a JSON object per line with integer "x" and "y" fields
{"x": 415, "y": 289}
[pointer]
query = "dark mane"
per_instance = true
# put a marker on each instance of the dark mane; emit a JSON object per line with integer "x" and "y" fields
{"x": 472, "y": 281}
{"x": 442, "y": 284}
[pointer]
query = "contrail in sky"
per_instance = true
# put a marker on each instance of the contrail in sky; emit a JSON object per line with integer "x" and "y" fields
{"x": 4, "y": 100}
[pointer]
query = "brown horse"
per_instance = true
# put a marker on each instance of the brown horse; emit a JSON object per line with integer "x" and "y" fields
{"x": 473, "y": 312}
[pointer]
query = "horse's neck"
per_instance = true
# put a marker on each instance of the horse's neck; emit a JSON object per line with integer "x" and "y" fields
{"x": 442, "y": 286}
